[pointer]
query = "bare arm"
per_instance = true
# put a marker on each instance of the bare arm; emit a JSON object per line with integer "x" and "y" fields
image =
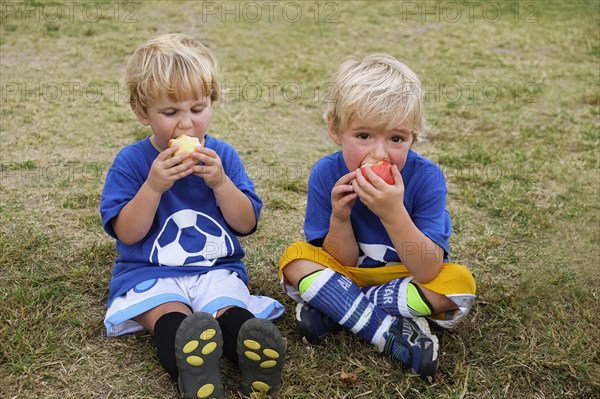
{"x": 421, "y": 256}
{"x": 340, "y": 241}
{"x": 236, "y": 207}
{"x": 135, "y": 219}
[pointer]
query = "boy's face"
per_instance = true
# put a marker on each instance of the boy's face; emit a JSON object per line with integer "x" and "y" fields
{"x": 362, "y": 143}
{"x": 170, "y": 119}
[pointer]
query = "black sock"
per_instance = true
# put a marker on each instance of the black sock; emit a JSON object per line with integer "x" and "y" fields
{"x": 165, "y": 330}
{"x": 230, "y": 322}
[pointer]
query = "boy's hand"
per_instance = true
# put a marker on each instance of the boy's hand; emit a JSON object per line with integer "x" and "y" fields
{"x": 211, "y": 168}
{"x": 167, "y": 169}
{"x": 343, "y": 197}
{"x": 382, "y": 199}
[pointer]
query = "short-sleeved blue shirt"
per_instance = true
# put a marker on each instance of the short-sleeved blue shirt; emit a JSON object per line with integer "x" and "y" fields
{"x": 189, "y": 234}
{"x": 424, "y": 198}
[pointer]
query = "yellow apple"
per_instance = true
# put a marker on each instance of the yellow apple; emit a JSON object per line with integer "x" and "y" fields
{"x": 186, "y": 144}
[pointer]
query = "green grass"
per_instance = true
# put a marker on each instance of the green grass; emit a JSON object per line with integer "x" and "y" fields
{"x": 515, "y": 114}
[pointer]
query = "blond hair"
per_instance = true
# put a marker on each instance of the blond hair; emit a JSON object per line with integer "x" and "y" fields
{"x": 378, "y": 89}
{"x": 173, "y": 65}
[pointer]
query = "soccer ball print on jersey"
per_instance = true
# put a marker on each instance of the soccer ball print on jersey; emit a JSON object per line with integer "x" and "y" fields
{"x": 191, "y": 238}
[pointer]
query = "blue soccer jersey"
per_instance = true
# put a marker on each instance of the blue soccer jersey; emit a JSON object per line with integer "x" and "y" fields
{"x": 189, "y": 235}
{"x": 424, "y": 199}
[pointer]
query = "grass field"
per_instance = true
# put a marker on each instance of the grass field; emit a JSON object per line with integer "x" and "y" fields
{"x": 513, "y": 101}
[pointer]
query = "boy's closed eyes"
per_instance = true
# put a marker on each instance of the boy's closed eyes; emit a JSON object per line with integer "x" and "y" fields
{"x": 172, "y": 111}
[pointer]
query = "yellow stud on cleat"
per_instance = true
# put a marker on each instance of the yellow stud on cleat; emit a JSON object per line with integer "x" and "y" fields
{"x": 251, "y": 344}
{"x": 205, "y": 391}
{"x": 209, "y": 348}
{"x": 195, "y": 360}
{"x": 268, "y": 364}
{"x": 252, "y": 356}
{"x": 271, "y": 353}
{"x": 190, "y": 346}
{"x": 260, "y": 386}
{"x": 208, "y": 334}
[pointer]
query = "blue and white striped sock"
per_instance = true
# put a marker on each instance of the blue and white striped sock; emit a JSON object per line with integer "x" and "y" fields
{"x": 399, "y": 297}
{"x": 338, "y": 297}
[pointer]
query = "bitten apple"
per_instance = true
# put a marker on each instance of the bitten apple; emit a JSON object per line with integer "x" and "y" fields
{"x": 186, "y": 144}
{"x": 382, "y": 169}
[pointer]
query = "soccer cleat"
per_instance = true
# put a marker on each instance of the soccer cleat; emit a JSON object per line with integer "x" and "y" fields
{"x": 198, "y": 350}
{"x": 313, "y": 325}
{"x": 261, "y": 354}
{"x": 411, "y": 342}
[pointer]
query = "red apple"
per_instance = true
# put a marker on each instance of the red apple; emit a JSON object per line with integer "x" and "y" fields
{"x": 382, "y": 169}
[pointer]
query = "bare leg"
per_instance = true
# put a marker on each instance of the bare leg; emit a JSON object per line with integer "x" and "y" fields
{"x": 299, "y": 268}
{"x": 439, "y": 302}
{"x": 149, "y": 318}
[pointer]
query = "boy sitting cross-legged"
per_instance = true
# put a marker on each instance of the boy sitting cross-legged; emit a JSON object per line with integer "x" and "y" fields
{"x": 376, "y": 260}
